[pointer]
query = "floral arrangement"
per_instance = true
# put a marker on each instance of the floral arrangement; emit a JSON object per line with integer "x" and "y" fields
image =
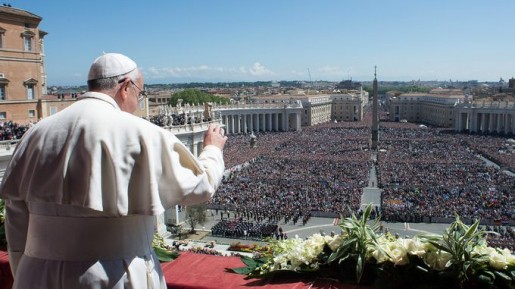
{"x": 254, "y": 248}
{"x": 460, "y": 258}
{"x": 163, "y": 252}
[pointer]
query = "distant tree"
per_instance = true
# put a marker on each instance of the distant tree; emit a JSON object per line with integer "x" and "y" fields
{"x": 195, "y": 96}
{"x": 196, "y": 215}
{"x": 404, "y": 89}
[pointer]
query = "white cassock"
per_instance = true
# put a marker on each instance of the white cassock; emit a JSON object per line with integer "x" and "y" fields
{"x": 82, "y": 190}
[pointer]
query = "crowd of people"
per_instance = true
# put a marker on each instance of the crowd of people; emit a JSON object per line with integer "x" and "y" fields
{"x": 290, "y": 176}
{"x": 424, "y": 173}
{"x": 165, "y": 120}
{"x": 173, "y": 116}
{"x": 240, "y": 229}
{"x": 10, "y": 130}
{"x": 504, "y": 237}
{"x": 499, "y": 149}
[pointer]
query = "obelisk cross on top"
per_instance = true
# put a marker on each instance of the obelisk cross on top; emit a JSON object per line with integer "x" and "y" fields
{"x": 375, "y": 119}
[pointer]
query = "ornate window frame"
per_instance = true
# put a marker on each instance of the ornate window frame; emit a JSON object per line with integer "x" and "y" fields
{"x": 30, "y": 85}
{"x": 28, "y": 40}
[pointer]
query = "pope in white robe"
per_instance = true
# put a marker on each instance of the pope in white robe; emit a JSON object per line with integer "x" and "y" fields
{"x": 84, "y": 185}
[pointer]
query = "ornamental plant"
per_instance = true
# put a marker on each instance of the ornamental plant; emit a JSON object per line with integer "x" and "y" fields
{"x": 163, "y": 252}
{"x": 459, "y": 258}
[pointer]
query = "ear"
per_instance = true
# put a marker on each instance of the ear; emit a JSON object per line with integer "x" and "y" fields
{"x": 124, "y": 89}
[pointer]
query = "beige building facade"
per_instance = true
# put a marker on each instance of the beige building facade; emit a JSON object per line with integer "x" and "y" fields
{"x": 316, "y": 109}
{"x": 22, "y": 65}
{"x": 429, "y": 108}
{"x": 23, "y": 79}
{"x": 348, "y": 105}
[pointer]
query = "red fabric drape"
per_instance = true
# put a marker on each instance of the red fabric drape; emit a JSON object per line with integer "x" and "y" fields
{"x": 199, "y": 271}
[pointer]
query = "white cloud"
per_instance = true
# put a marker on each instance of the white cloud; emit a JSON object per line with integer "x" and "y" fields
{"x": 257, "y": 70}
{"x": 298, "y": 73}
{"x": 330, "y": 71}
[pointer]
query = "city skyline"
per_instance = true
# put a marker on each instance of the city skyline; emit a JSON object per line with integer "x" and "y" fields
{"x": 228, "y": 41}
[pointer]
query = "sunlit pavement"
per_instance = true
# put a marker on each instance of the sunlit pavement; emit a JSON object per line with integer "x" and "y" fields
{"x": 314, "y": 225}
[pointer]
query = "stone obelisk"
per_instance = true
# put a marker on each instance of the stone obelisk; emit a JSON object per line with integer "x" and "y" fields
{"x": 375, "y": 119}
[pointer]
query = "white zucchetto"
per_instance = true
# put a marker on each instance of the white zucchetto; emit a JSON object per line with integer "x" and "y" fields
{"x": 109, "y": 65}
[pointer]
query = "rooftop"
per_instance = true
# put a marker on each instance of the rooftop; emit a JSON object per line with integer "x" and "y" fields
{"x": 6, "y": 11}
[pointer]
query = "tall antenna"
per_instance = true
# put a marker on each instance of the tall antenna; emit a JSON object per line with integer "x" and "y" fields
{"x": 310, "y": 81}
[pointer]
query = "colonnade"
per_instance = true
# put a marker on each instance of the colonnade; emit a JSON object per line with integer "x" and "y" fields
{"x": 245, "y": 121}
{"x": 486, "y": 119}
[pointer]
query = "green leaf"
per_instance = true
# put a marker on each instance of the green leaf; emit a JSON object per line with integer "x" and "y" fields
{"x": 343, "y": 249}
{"x": 471, "y": 230}
{"x": 440, "y": 246}
{"x": 503, "y": 276}
{"x": 242, "y": 270}
{"x": 486, "y": 279}
{"x": 359, "y": 268}
{"x": 250, "y": 262}
{"x": 165, "y": 255}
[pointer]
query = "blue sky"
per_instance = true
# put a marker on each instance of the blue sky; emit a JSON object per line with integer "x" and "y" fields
{"x": 177, "y": 41}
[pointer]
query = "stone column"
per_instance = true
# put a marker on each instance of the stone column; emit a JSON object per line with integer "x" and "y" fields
{"x": 251, "y": 121}
{"x": 232, "y": 124}
{"x": 491, "y": 123}
{"x": 473, "y": 121}
{"x": 506, "y": 123}
{"x": 483, "y": 122}
{"x": 499, "y": 122}
{"x": 238, "y": 124}
{"x": 269, "y": 122}
{"x": 245, "y": 123}
{"x": 257, "y": 122}
{"x": 458, "y": 121}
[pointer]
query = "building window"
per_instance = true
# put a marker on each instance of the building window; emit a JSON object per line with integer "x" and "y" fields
{"x": 28, "y": 40}
{"x": 30, "y": 86}
{"x": 2, "y": 34}
{"x": 30, "y": 91}
{"x": 2, "y": 91}
{"x": 32, "y": 113}
{"x": 3, "y": 115}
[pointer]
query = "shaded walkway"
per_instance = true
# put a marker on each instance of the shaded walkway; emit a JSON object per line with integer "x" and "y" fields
{"x": 372, "y": 194}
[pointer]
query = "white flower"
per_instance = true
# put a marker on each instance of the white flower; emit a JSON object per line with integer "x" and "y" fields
{"x": 398, "y": 252}
{"x": 335, "y": 242}
{"x": 296, "y": 254}
{"x": 498, "y": 261}
{"x": 415, "y": 247}
{"x": 437, "y": 259}
{"x": 497, "y": 258}
{"x": 381, "y": 251}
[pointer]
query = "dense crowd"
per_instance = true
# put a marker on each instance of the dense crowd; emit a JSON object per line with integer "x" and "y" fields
{"x": 174, "y": 116}
{"x": 240, "y": 229}
{"x": 290, "y": 176}
{"x": 165, "y": 120}
{"x": 10, "y": 130}
{"x": 504, "y": 237}
{"x": 499, "y": 149}
{"x": 424, "y": 173}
